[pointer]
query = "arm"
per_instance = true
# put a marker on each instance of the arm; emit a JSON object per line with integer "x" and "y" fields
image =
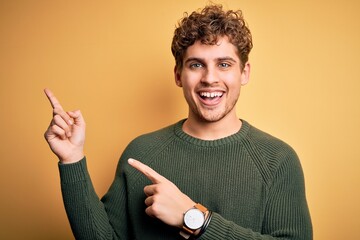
{"x": 286, "y": 214}
{"x": 86, "y": 213}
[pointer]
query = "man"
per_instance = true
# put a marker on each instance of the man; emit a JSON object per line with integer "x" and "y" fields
{"x": 209, "y": 176}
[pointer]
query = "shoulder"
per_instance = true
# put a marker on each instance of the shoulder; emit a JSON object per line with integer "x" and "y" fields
{"x": 270, "y": 154}
{"x": 148, "y": 143}
{"x": 267, "y": 143}
{"x": 154, "y": 137}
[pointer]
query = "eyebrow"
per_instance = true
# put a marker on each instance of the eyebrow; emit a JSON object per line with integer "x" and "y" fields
{"x": 227, "y": 58}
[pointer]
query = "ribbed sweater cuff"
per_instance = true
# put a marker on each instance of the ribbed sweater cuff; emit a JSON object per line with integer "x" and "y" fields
{"x": 217, "y": 229}
{"x": 73, "y": 172}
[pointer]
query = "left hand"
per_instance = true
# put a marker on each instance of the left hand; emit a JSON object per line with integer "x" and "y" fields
{"x": 164, "y": 200}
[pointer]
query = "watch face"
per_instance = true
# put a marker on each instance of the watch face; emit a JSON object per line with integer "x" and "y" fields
{"x": 194, "y": 218}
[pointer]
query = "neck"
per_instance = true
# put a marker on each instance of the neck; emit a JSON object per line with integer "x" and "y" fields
{"x": 206, "y": 130}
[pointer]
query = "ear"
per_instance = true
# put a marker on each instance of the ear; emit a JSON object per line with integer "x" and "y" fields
{"x": 245, "y": 74}
{"x": 177, "y": 76}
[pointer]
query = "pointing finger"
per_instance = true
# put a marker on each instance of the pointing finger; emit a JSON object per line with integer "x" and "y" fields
{"x": 151, "y": 174}
{"x": 57, "y": 108}
{"x": 53, "y": 100}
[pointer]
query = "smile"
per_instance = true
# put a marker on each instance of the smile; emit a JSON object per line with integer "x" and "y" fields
{"x": 210, "y": 94}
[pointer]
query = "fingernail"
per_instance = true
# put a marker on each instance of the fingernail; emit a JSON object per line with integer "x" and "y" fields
{"x": 71, "y": 122}
{"x": 130, "y": 160}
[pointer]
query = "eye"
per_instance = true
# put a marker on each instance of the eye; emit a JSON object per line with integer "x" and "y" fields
{"x": 196, "y": 65}
{"x": 224, "y": 65}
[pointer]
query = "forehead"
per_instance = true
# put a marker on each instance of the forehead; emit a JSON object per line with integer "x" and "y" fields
{"x": 222, "y": 49}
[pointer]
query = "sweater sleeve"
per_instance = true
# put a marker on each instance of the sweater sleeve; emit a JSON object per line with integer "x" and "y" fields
{"x": 286, "y": 212}
{"x": 87, "y": 214}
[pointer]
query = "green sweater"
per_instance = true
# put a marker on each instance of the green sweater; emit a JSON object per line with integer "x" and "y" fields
{"x": 251, "y": 181}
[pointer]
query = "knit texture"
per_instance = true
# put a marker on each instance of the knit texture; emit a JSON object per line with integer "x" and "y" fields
{"x": 252, "y": 182}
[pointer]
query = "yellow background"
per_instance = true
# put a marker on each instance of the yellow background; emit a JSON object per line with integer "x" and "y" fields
{"x": 112, "y": 60}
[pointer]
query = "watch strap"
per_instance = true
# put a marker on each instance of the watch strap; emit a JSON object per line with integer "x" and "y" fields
{"x": 184, "y": 234}
{"x": 200, "y": 207}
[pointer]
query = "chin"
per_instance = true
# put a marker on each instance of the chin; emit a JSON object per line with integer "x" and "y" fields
{"x": 212, "y": 117}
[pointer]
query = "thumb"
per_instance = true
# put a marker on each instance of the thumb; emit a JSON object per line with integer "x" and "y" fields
{"x": 77, "y": 116}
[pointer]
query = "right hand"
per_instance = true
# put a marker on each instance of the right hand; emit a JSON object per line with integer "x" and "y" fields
{"x": 66, "y": 132}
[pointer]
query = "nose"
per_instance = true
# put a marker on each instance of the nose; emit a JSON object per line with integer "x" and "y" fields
{"x": 210, "y": 76}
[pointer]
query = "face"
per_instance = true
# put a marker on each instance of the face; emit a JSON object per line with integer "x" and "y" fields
{"x": 211, "y": 78}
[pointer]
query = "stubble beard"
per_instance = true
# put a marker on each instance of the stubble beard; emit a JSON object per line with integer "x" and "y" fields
{"x": 209, "y": 115}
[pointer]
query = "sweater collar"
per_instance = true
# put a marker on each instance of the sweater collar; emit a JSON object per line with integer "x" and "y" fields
{"x": 241, "y": 134}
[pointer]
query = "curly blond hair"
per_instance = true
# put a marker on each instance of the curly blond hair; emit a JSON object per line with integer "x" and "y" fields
{"x": 207, "y": 25}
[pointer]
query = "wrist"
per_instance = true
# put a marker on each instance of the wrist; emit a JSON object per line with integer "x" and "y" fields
{"x": 195, "y": 221}
{"x": 72, "y": 158}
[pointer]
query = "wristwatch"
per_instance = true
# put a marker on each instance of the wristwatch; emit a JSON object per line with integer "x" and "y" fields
{"x": 194, "y": 219}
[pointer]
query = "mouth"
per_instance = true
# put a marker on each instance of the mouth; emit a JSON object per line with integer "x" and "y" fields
{"x": 210, "y": 98}
{"x": 210, "y": 95}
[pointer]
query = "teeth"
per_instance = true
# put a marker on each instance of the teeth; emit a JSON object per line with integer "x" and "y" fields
{"x": 211, "y": 95}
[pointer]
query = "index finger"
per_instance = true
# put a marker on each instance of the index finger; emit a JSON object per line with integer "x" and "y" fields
{"x": 53, "y": 100}
{"x": 150, "y": 173}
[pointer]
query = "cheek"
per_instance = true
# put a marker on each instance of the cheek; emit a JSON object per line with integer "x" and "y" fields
{"x": 233, "y": 80}
{"x": 189, "y": 81}
{"x": 188, "y": 87}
